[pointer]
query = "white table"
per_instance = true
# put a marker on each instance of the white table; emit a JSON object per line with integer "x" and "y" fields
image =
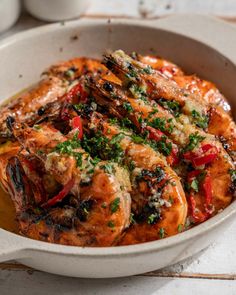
{"x": 213, "y": 271}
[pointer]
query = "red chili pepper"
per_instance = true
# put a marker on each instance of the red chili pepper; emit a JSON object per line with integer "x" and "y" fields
{"x": 174, "y": 155}
{"x": 193, "y": 174}
{"x": 197, "y": 215}
{"x": 73, "y": 93}
{"x": 76, "y": 123}
{"x": 202, "y": 157}
{"x": 198, "y": 161}
{"x": 62, "y": 194}
{"x": 154, "y": 133}
{"x": 207, "y": 188}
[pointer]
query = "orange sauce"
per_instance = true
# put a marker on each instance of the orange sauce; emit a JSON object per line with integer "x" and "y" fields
{"x": 7, "y": 213}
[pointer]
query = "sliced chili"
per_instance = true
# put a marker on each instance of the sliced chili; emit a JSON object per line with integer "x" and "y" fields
{"x": 76, "y": 124}
{"x": 61, "y": 195}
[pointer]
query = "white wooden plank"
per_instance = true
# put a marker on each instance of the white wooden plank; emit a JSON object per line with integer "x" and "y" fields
{"x": 23, "y": 283}
{"x": 219, "y": 258}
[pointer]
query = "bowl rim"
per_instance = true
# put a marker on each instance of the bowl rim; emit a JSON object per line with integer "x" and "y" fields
{"x": 27, "y": 244}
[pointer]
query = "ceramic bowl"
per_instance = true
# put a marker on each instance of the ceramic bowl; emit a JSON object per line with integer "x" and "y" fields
{"x": 199, "y": 45}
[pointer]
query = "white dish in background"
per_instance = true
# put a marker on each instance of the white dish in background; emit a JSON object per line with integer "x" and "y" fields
{"x": 56, "y": 10}
{"x": 193, "y": 42}
{"x": 9, "y": 13}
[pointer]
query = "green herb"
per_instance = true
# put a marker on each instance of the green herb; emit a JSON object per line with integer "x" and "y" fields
{"x": 161, "y": 124}
{"x": 132, "y": 220}
{"x": 200, "y": 120}
{"x": 117, "y": 138}
{"x": 69, "y": 147}
{"x": 194, "y": 185}
{"x": 37, "y": 127}
{"x": 138, "y": 92}
{"x": 113, "y": 121}
{"x": 147, "y": 70}
{"x": 108, "y": 168}
{"x": 155, "y": 110}
{"x": 101, "y": 147}
{"x": 104, "y": 205}
{"x": 114, "y": 206}
{"x": 180, "y": 228}
{"x": 111, "y": 224}
{"x": 162, "y": 146}
{"x": 131, "y": 166}
{"x": 70, "y": 73}
{"x": 194, "y": 140}
{"x": 232, "y": 174}
{"x": 172, "y": 106}
{"x": 126, "y": 123}
{"x": 161, "y": 233}
{"x": 127, "y": 106}
{"x": 153, "y": 218}
{"x": 137, "y": 139}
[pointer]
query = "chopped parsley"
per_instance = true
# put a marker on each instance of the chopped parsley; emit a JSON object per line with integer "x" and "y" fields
{"x": 114, "y": 206}
{"x": 162, "y": 146}
{"x": 194, "y": 140}
{"x": 180, "y": 228}
{"x": 195, "y": 185}
{"x": 161, "y": 233}
{"x": 137, "y": 139}
{"x": 172, "y": 106}
{"x": 161, "y": 124}
{"x": 153, "y": 218}
{"x": 69, "y": 147}
{"x": 103, "y": 148}
{"x": 138, "y": 92}
{"x": 111, "y": 224}
{"x": 200, "y": 120}
{"x": 108, "y": 168}
{"x": 127, "y": 106}
{"x": 132, "y": 220}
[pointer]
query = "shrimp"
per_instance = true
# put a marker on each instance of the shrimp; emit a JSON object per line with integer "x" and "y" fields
{"x": 100, "y": 217}
{"x": 156, "y": 86}
{"x": 75, "y": 68}
{"x": 157, "y": 195}
{"x": 205, "y": 89}
{"x": 149, "y": 114}
{"x": 25, "y": 104}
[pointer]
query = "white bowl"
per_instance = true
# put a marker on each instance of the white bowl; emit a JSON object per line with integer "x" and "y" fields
{"x": 9, "y": 13}
{"x": 56, "y": 10}
{"x": 193, "y": 42}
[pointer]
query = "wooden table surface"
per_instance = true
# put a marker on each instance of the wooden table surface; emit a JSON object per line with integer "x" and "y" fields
{"x": 213, "y": 271}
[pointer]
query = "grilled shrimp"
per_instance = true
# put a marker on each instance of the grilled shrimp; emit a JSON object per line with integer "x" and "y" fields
{"x": 150, "y": 115}
{"x": 75, "y": 68}
{"x": 157, "y": 195}
{"x": 25, "y": 104}
{"x": 157, "y": 86}
{"x": 101, "y": 213}
{"x": 205, "y": 89}
{"x": 63, "y": 158}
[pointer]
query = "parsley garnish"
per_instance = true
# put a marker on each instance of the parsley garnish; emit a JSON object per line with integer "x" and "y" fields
{"x": 161, "y": 124}
{"x": 69, "y": 147}
{"x": 161, "y": 233}
{"x": 127, "y": 106}
{"x": 200, "y": 120}
{"x": 172, "y": 106}
{"x": 153, "y": 218}
{"x": 101, "y": 147}
{"x": 114, "y": 206}
{"x": 108, "y": 168}
{"x": 180, "y": 228}
{"x": 111, "y": 224}
{"x": 194, "y": 140}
